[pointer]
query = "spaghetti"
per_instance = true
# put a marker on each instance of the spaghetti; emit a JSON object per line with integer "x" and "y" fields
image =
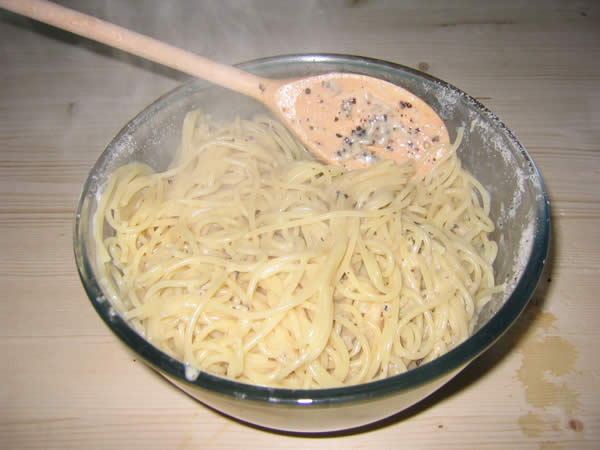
{"x": 250, "y": 260}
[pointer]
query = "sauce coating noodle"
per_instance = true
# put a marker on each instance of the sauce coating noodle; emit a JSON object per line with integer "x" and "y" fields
{"x": 250, "y": 260}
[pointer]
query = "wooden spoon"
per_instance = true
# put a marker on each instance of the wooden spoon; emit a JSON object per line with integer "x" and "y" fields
{"x": 342, "y": 118}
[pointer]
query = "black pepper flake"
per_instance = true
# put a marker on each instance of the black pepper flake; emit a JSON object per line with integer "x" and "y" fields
{"x": 417, "y": 130}
{"x": 307, "y": 91}
{"x": 359, "y": 131}
{"x": 347, "y": 141}
{"x": 435, "y": 139}
{"x": 388, "y": 148}
{"x": 336, "y": 119}
{"x": 345, "y": 195}
{"x": 262, "y": 87}
{"x": 338, "y": 135}
{"x": 404, "y": 105}
{"x": 311, "y": 127}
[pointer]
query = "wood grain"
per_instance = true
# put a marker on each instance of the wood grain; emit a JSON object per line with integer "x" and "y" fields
{"x": 65, "y": 380}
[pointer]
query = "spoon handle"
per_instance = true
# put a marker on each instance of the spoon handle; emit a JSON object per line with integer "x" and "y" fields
{"x": 140, "y": 45}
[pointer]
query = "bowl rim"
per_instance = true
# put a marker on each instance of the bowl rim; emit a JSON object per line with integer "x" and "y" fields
{"x": 449, "y": 363}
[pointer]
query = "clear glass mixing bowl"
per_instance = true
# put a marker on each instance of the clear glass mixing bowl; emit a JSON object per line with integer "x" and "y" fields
{"x": 489, "y": 150}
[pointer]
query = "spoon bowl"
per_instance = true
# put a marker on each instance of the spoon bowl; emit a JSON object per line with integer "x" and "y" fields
{"x": 353, "y": 119}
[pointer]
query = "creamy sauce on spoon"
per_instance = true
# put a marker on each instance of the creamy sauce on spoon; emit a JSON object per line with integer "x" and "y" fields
{"x": 352, "y": 120}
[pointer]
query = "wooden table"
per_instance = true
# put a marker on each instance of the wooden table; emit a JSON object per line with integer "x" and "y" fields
{"x": 65, "y": 381}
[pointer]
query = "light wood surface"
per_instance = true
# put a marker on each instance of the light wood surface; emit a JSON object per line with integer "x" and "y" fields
{"x": 65, "y": 381}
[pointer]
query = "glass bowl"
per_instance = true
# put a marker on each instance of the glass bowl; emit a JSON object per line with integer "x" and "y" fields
{"x": 489, "y": 150}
